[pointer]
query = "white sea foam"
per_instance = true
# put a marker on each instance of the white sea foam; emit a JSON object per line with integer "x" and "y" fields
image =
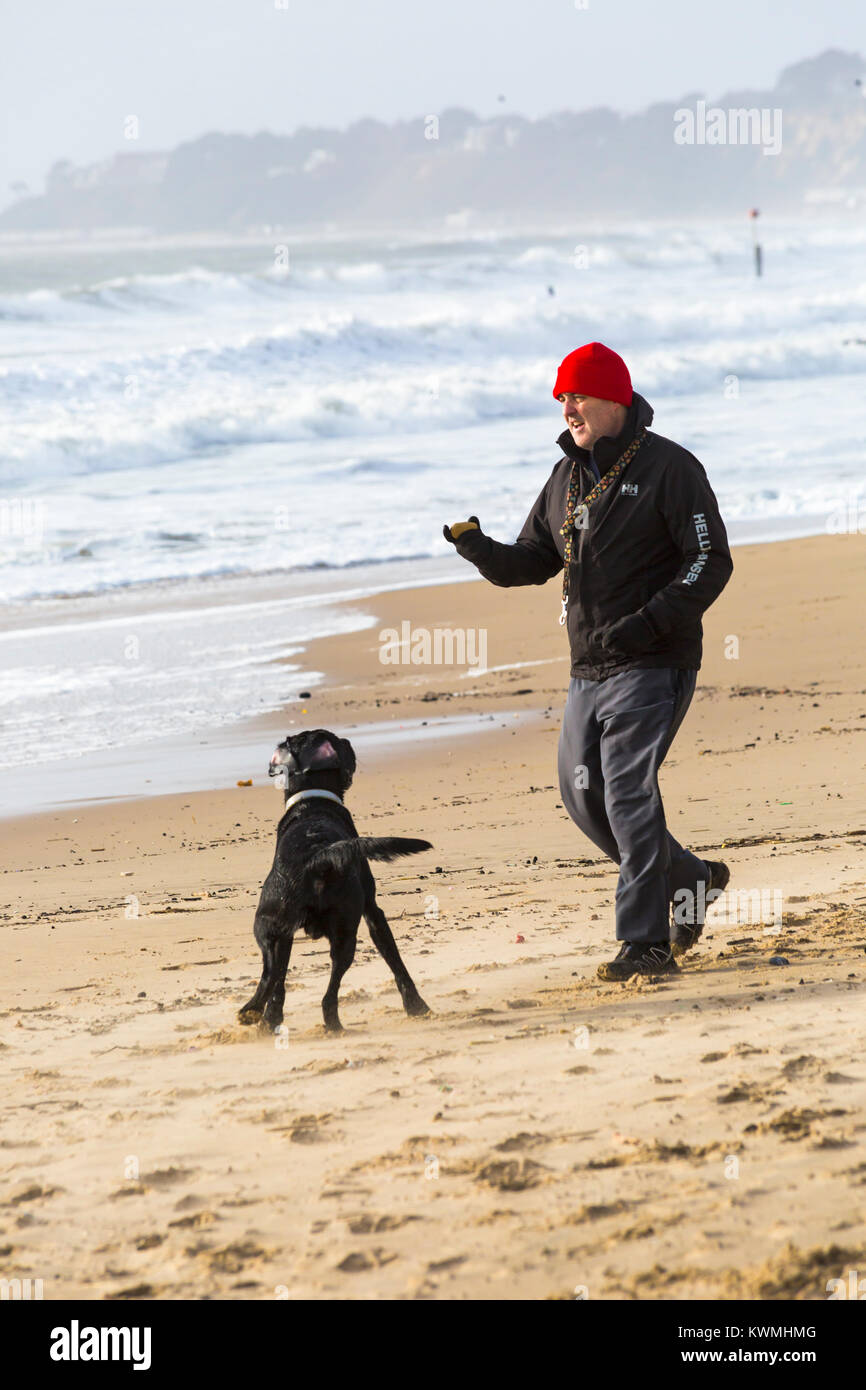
{"x": 212, "y": 414}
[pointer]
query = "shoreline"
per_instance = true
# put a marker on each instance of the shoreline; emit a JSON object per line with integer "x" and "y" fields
{"x": 204, "y": 589}
{"x": 316, "y": 663}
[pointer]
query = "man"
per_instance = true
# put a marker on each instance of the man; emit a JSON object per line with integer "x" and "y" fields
{"x": 632, "y": 521}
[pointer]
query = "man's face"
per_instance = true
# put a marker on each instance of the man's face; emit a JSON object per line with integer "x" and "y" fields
{"x": 589, "y": 418}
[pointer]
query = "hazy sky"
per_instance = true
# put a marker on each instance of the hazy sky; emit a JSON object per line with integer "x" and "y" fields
{"x": 71, "y": 71}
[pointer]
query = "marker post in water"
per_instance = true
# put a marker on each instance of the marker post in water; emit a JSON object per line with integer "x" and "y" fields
{"x": 754, "y": 214}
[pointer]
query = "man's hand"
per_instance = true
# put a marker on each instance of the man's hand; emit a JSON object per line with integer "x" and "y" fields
{"x": 628, "y": 636}
{"x": 452, "y": 533}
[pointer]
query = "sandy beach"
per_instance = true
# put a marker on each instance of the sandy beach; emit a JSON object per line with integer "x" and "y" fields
{"x": 542, "y": 1134}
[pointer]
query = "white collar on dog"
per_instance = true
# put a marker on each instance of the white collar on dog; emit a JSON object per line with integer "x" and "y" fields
{"x": 313, "y": 791}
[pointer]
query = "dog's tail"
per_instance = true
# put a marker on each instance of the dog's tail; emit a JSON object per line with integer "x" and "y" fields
{"x": 343, "y": 854}
{"x": 327, "y": 865}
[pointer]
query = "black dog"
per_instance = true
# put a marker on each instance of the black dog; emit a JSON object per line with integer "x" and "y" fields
{"x": 320, "y": 880}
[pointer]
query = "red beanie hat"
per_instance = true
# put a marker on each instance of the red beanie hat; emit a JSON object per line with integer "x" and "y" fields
{"x": 594, "y": 370}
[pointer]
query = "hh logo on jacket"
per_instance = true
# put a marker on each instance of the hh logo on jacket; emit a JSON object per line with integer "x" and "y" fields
{"x": 629, "y": 489}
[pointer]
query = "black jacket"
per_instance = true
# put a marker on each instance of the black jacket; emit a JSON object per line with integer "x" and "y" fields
{"x": 653, "y": 543}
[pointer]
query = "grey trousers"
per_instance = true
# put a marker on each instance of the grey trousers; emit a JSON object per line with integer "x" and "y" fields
{"x": 615, "y": 736}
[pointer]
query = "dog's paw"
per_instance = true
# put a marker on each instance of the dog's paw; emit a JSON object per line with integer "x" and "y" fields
{"x": 417, "y": 1008}
{"x": 249, "y": 1016}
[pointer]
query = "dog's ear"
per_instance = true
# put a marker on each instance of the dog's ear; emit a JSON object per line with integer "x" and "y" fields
{"x": 323, "y": 756}
{"x": 347, "y": 761}
{"x": 290, "y": 761}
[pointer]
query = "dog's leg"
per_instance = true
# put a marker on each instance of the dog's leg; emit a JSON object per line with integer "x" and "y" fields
{"x": 252, "y": 1010}
{"x": 342, "y": 955}
{"x": 273, "y": 1016}
{"x": 385, "y": 944}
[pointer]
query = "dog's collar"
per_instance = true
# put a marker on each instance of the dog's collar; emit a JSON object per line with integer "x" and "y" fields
{"x": 312, "y": 791}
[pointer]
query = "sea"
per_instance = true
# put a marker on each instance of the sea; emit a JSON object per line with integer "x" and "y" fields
{"x": 207, "y": 444}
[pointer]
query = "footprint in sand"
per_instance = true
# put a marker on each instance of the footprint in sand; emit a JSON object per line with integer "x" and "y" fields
{"x": 593, "y": 1211}
{"x": 524, "y": 1140}
{"x": 233, "y": 1259}
{"x": 450, "y": 1262}
{"x": 359, "y": 1260}
{"x": 738, "y": 1050}
{"x": 164, "y": 1177}
{"x": 368, "y": 1224}
{"x": 189, "y": 1203}
{"x": 797, "y": 1122}
{"x": 746, "y": 1091}
{"x": 31, "y": 1192}
{"x": 804, "y": 1065}
{"x": 143, "y": 1291}
{"x": 196, "y": 1220}
{"x": 307, "y": 1129}
{"x": 149, "y": 1242}
{"x": 511, "y": 1175}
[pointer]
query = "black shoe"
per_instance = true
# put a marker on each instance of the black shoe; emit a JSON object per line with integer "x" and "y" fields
{"x": 685, "y": 935}
{"x": 639, "y": 958}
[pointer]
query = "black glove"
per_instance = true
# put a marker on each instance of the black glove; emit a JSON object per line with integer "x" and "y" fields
{"x": 628, "y": 636}
{"x": 453, "y": 533}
